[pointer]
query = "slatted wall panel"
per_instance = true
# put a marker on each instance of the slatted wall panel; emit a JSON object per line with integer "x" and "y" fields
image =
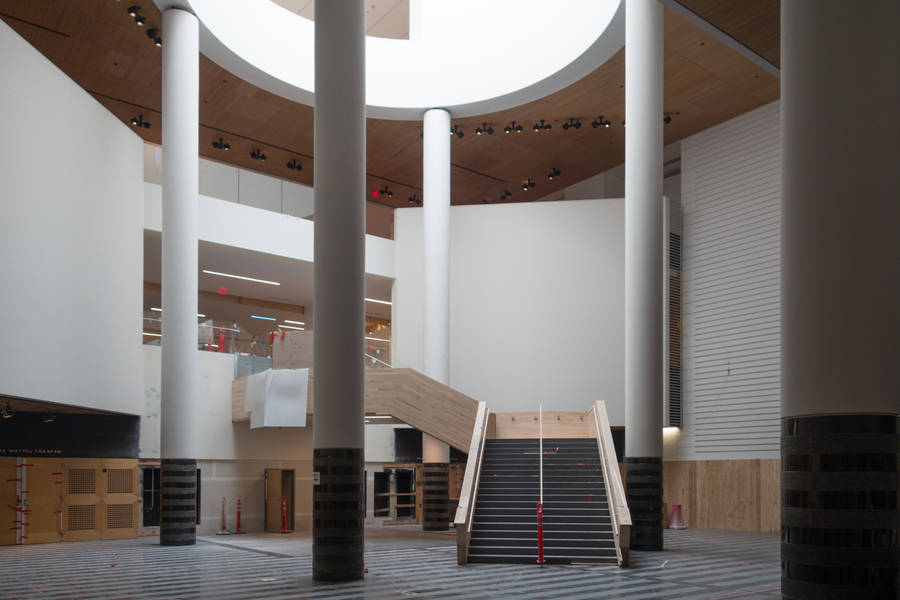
{"x": 731, "y": 194}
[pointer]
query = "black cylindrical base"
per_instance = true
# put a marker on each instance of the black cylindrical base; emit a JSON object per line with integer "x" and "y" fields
{"x": 435, "y": 496}
{"x": 643, "y": 491}
{"x": 839, "y": 498}
{"x": 339, "y": 512}
{"x": 178, "y": 502}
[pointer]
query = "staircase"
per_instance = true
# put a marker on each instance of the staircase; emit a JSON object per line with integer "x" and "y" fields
{"x": 577, "y": 526}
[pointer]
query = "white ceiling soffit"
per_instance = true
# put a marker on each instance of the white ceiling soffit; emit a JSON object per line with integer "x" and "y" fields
{"x": 469, "y": 56}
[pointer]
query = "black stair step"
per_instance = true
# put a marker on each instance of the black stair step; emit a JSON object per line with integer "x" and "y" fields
{"x": 549, "y": 542}
{"x": 571, "y": 553}
{"x": 529, "y": 530}
{"x": 548, "y": 519}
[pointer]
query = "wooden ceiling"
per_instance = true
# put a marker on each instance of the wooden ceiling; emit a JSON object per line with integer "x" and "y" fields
{"x": 757, "y": 24}
{"x": 97, "y": 44}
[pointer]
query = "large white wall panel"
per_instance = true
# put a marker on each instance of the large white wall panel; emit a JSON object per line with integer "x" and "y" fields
{"x": 731, "y": 289}
{"x": 536, "y": 303}
{"x": 70, "y": 239}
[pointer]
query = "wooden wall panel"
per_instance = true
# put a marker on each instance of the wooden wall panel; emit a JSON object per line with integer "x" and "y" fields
{"x": 8, "y": 516}
{"x": 557, "y": 424}
{"x": 295, "y": 351}
{"x": 735, "y": 495}
{"x": 45, "y": 493}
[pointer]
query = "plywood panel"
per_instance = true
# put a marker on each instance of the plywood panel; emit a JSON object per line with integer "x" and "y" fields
{"x": 45, "y": 492}
{"x": 770, "y": 495}
{"x": 557, "y": 424}
{"x": 294, "y": 351}
{"x": 8, "y": 499}
{"x": 119, "y": 501}
{"x": 679, "y": 487}
{"x": 83, "y": 487}
{"x": 273, "y": 500}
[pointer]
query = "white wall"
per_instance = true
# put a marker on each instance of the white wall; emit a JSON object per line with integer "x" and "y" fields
{"x": 70, "y": 237}
{"x": 731, "y": 197}
{"x": 536, "y": 306}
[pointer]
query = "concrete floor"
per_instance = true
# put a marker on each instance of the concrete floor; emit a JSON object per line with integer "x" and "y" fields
{"x": 402, "y": 562}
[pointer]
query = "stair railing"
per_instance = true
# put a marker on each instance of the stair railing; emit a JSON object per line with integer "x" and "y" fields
{"x": 612, "y": 479}
{"x": 467, "y": 494}
{"x": 540, "y": 506}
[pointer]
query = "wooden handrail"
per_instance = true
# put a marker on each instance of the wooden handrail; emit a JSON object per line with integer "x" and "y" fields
{"x": 612, "y": 479}
{"x": 466, "y": 508}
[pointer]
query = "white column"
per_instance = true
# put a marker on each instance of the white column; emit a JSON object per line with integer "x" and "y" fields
{"x": 340, "y": 166}
{"x": 180, "y": 127}
{"x": 840, "y": 253}
{"x": 643, "y": 258}
{"x": 436, "y": 235}
{"x": 436, "y": 293}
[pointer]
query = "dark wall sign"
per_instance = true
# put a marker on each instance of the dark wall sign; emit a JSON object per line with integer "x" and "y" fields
{"x": 70, "y": 435}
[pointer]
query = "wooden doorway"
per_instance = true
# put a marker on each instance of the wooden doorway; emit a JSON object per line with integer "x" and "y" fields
{"x": 279, "y": 485}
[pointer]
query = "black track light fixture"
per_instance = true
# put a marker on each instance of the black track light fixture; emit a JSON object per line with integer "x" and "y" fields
{"x": 538, "y": 127}
{"x": 506, "y": 194}
{"x": 257, "y": 154}
{"x": 554, "y": 172}
{"x": 7, "y": 412}
{"x": 140, "y": 20}
{"x": 528, "y": 184}
{"x": 600, "y": 121}
{"x": 457, "y": 131}
{"x": 48, "y": 417}
{"x": 294, "y": 165}
{"x": 134, "y": 10}
{"x": 153, "y": 34}
{"x": 572, "y": 124}
{"x": 667, "y": 117}
{"x": 485, "y": 201}
{"x": 513, "y": 126}
{"x": 139, "y": 122}
{"x": 484, "y": 129}
{"x": 386, "y": 191}
{"x": 414, "y": 200}
{"x": 221, "y": 144}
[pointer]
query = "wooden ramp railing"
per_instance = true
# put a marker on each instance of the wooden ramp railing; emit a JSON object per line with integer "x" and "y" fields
{"x": 612, "y": 479}
{"x": 405, "y": 394}
{"x": 469, "y": 490}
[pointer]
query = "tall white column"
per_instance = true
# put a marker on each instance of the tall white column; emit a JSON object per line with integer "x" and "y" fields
{"x": 644, "y": 269}
{"x": 436, "y": 313}
{"x": 840, "y": 251}
{"x": 340, "y": 167}
{"x": 180, "y": 130}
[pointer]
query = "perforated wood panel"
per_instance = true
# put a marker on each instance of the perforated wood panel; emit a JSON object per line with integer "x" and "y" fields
{"x": 81, "y": 517}
{"x": 82, "y": 481}
{"x": 120, "y": 516}
{"x": 8, "y": 513}
{"x": 120, "y": 481}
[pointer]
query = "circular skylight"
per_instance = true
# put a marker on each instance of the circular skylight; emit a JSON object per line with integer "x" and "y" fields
{"x": 469, "y": 56}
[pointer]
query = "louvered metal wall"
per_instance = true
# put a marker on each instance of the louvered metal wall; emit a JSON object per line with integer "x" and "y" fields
{"x": 731, "y": 187}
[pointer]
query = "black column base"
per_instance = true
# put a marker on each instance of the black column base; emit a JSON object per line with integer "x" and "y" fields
{"x": 435, "y": 496}
{"x": 839, "y": 499}
{"x": 178, "y": 502}
{"x": 339, "y": 514}
{"x": 643, "y": 491}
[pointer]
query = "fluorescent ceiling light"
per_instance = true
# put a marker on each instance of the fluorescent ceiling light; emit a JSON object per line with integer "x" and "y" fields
{"x": 263, "y": 318}
{"x": 374, "y": 339}
{"x": 378, "y": 417}
{"x": 292, "y": 327}
{"x": 294, "y": 322}
{"x": 154, "y": 308}
{"x": 378, "y": 301}
{"x": 208, "y": 272}
{"x": 153, "y": 334}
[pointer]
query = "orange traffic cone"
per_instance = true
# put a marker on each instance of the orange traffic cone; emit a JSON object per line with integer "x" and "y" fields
{"x": 676, "y": 522}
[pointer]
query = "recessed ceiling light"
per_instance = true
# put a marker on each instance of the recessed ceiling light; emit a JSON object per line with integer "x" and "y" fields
{"x": 153, "y": 334}
{"x": 208, "y": 272}
{"x": 291, "y": 327}
{"x": 378, "y": 301}
{"x": 294, "y": 322}
{"x": 378, "y": 417}
{"x": 263, "y": 318}
{"x": 159, "y": 310}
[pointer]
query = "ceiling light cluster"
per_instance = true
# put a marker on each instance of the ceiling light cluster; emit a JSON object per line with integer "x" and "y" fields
{"x": 153, "y": 34}
{"x": 513, "y": 126}
{"x": 221, "y": 144}
{"x": 7, "y": 411}
{"x": 457, "y": 131}
{"x": 554, "y": 172}
{"x": 385, "y": 191}
{"x": 257, "y": 154}
{"x": 484, "y": 129}
{"x": 414, "y": 200}
{"x": 600, "y": 121}
{"x": 139, "y": 122}
{"x": 294, "y": 165}
{"x": 528, "y": 184}
{"x": 506, "y": 194}
{"x": 539, "y": 127}
{"x": 572, "y": 123}
{"x": 134, "y": 11}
